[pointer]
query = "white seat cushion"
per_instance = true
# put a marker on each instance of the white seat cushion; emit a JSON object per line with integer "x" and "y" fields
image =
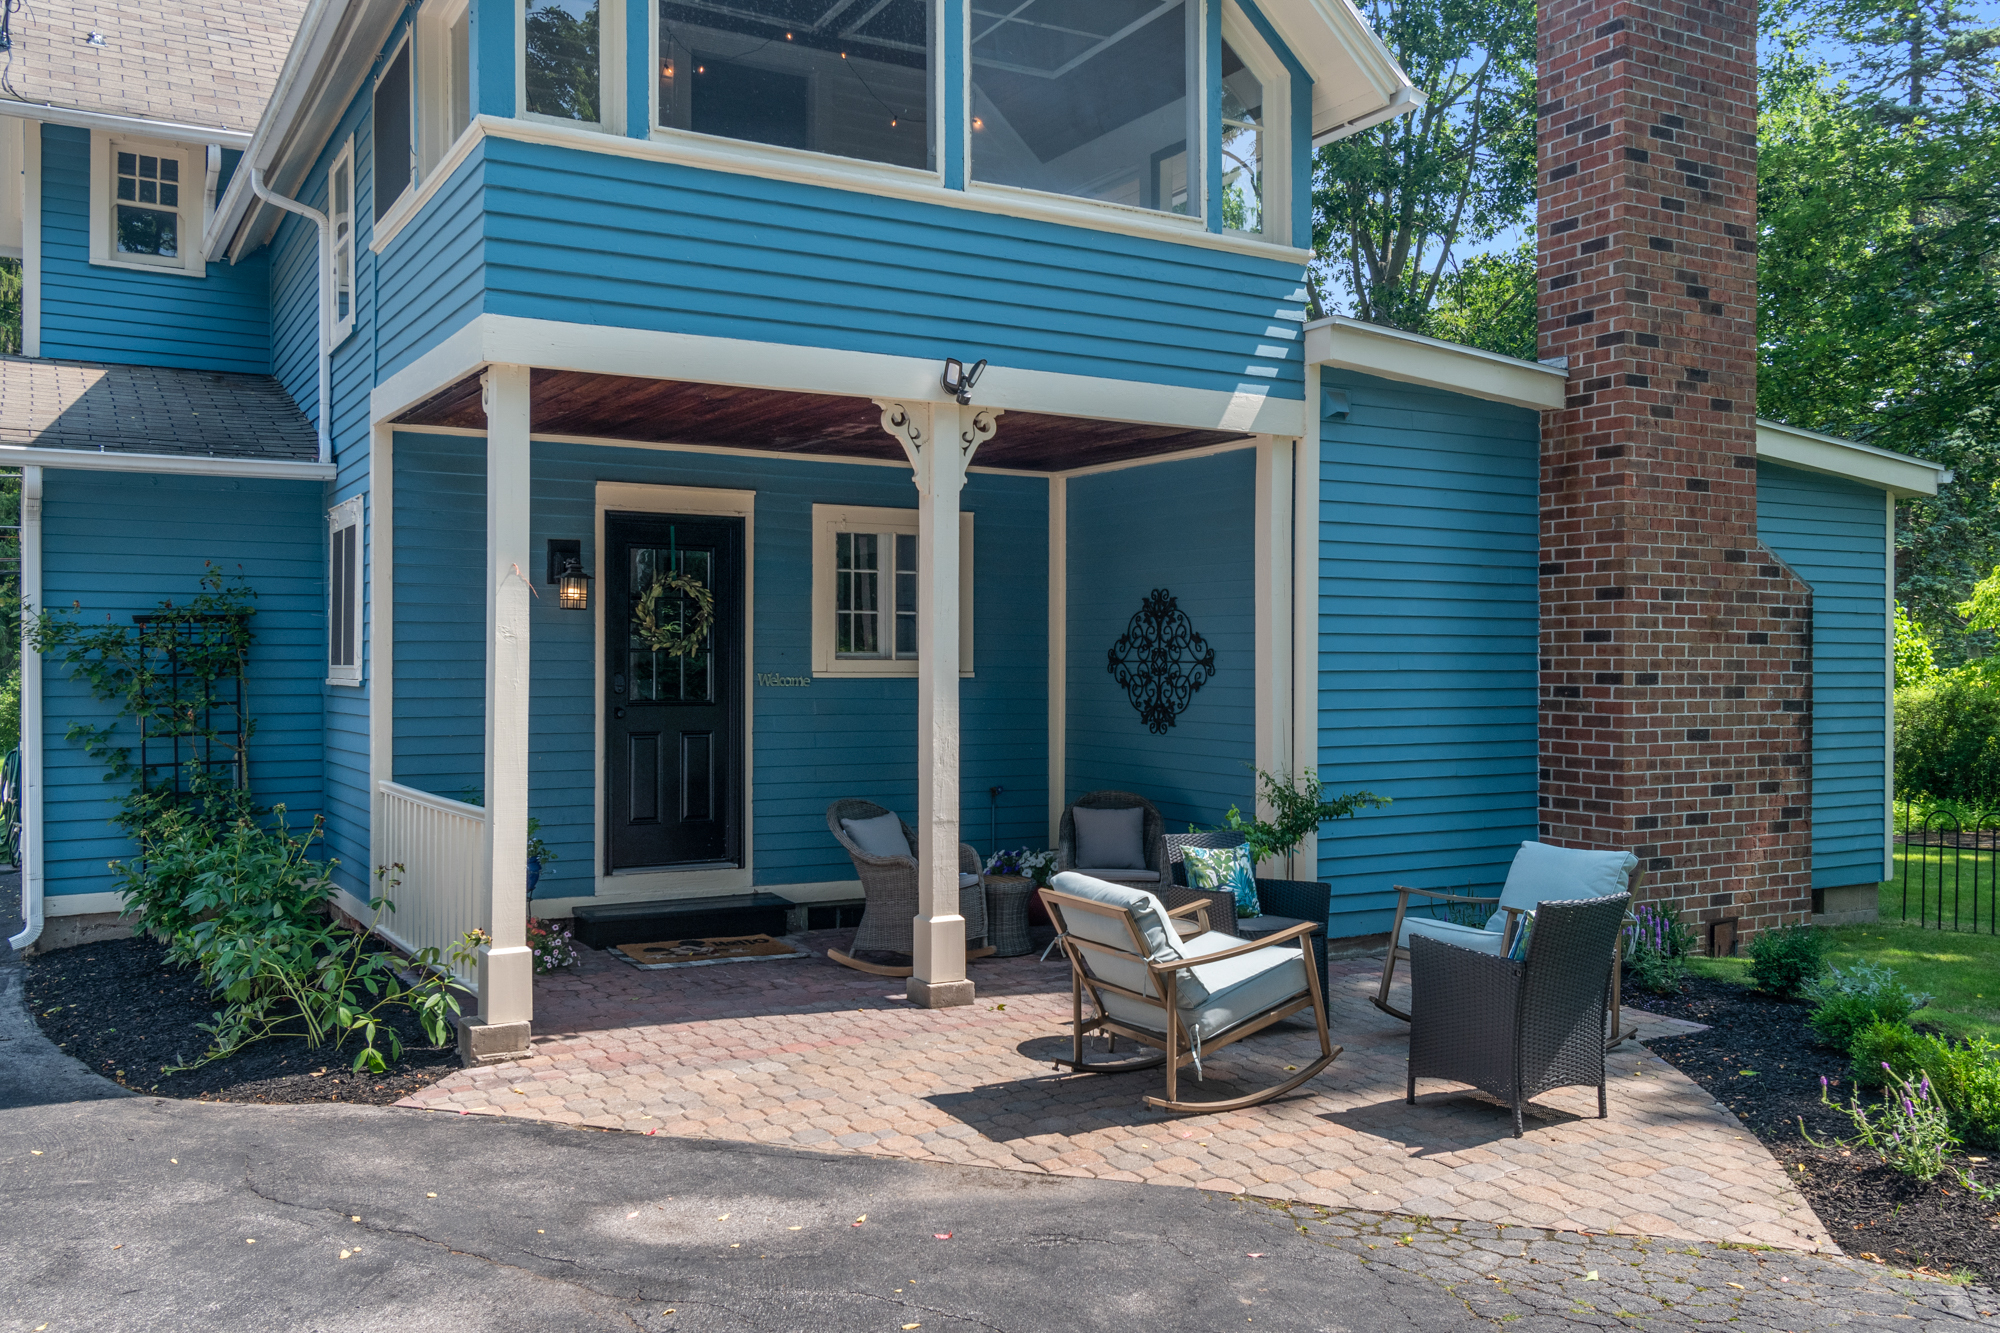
{"x": 1121, "y": 875}
{"x": 880, "y": 836}
{"x": 1545, "y": 873}
{"x": 966, "y": 881}
{"x": 1215, "y": 997}
{"x": 1465, "y": 937}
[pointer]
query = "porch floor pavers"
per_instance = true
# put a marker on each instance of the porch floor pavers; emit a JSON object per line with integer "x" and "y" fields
{"x": 810, "y": 1054}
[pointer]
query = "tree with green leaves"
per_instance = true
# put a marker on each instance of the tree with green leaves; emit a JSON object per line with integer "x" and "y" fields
{"x": 1489, "y": 301}
{"x": 1394, "y": 206}
{"x": 1879, "y": 267}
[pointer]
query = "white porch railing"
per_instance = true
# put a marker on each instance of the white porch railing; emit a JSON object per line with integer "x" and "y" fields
{"x": 440, "y": 843}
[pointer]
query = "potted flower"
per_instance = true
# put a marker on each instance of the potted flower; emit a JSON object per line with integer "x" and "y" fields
{"x": 1022, "y": 863}
{"x": 540, "y": 854}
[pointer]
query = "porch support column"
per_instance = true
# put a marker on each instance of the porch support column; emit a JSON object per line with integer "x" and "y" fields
{"x": 506, "y": 968}
{"x": 939, "y": 439}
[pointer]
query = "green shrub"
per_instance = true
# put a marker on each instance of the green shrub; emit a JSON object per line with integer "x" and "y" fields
{"x": 1948, "y": 736}
{"x": 1785, "y": 961}
{"x": 1966, "y": 1076}
{"x": 1846, "y": 1002}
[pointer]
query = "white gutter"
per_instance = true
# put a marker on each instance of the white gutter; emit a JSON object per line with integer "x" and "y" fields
{"x": 318, "y": 219}
{"x": 1405, "y": 100}
{"x": 31, "y": 713}
{"x": 178, "y": 131}
{"x": 202, "y": 465}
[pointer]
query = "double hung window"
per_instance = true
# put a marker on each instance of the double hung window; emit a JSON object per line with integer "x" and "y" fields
{"x": 865, "y": 570}
{"x": 340, "y": 216}
{"x": 563, "y": 55}
{"x": 343, "y": 593}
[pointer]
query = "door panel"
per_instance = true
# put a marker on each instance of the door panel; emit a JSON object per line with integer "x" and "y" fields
{"x": 674, "y": 720}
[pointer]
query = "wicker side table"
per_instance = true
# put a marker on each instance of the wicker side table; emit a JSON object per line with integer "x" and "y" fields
{"x": 1007, "y": 899}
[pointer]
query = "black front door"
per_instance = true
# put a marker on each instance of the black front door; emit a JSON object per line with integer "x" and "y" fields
{"x": 674, "y": 690}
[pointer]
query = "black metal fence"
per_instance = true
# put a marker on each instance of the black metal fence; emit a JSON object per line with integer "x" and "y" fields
{"x": 1948, "y": 868}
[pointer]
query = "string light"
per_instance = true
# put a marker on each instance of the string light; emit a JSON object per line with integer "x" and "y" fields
{"x": 978, "y": 124}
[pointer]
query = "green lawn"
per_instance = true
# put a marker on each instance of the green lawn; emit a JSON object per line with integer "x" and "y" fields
{"x": 1960, "y": 970}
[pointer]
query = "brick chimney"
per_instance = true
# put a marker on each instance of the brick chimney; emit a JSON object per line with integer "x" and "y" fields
{"x": 1676, "y": 650}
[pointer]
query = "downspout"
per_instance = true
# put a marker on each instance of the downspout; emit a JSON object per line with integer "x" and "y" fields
{"x": 318, "y": 219}
{"x": 31, "y": 713}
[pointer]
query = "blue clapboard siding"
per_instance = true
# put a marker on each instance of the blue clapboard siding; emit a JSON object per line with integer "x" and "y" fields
{"x": 1429, "y": 616}
{"x": 1186, "y": 527}
{"x": 573, "y": 235}
{"x": 1831, "y": 532}
{"x": 811, "y": 746}
{"x": 119, "y": 545}
{"x": 101, "y": 313}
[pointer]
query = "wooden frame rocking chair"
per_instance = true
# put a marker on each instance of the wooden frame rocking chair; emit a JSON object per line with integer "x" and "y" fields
{"x": 1184, "y": 998}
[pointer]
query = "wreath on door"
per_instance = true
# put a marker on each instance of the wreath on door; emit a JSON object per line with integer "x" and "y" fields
{"x": 684, "y": 634}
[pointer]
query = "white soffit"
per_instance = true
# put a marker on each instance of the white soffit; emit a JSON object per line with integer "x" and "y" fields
{"x": 1350, "y": 344}
{"x": 1356, "y": 82}
{"x": 1809, "y": 451}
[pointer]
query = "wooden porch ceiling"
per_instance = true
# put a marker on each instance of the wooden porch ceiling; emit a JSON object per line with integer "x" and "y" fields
{"x": 617, "y": 407}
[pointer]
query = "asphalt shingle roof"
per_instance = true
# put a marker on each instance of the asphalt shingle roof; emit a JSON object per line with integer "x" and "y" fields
{"x": 212, "y": 64}
{"x": 149, "y": 410}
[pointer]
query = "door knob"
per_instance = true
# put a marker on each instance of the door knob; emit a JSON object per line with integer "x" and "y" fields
{"x": 617, "y": 712}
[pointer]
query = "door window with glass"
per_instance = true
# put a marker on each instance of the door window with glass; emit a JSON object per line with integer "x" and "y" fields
{"x": 847, "y": 77}
{"x": 1088, "y": 99}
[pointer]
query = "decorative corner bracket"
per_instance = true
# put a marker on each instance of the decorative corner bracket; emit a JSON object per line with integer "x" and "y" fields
{"x": 906, "y": 426}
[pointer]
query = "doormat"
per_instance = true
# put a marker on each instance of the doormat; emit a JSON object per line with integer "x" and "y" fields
{"x": 708, "y": 951}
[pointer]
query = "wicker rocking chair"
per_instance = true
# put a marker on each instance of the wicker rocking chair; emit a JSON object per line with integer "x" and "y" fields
{"x": 889, "y": 883}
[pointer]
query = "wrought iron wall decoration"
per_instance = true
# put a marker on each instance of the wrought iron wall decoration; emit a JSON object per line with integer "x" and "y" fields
{"x": 1161, "y": 661}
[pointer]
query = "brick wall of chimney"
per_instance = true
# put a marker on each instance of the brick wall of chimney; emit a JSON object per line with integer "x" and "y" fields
{"x": 1676, "y": 650}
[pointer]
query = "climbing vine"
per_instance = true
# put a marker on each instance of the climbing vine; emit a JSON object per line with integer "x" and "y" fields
{"x": 176, "y": 676}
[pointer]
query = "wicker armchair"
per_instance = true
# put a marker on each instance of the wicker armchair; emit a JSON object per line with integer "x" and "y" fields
{"x": 1516, "y": 1029}
{"x": 1151, "y": 829}
{"x": 888, "y": 921}
{"x": 1294, "y": 899}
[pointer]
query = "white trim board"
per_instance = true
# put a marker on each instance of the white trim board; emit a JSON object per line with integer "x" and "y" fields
{"x": 803, "y": 895}
{"x": 1899, "y": 474}
{"x": 638, "y": 498}
{"x": 82, "y": 904}
{"x": 31, "y": 239}
{"x": 1394, "y": 354}
{"x": 1889, "y": 686}
{"x": 1058, "y": 663}
{"x": 487, "y": 339}
{"x": 88, "y": 460}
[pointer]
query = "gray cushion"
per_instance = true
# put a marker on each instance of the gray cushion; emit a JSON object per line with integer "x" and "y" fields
{"x": 1465, "y": 937}
{"x": 1545, "y": 873}
{"x": 1162, "y": 940}
{"x": 880, "y": 836}
{"x": 1110, "y": 839}
{"x": 1214, "y": 997}
{"x": 966, "y": 881}
{"x": 1120, "y": 874}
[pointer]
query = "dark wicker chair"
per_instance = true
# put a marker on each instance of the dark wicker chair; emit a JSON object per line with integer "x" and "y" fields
{"x": 1151, "y": 829}
{"x": 1293, "y": 899}
{"x": 888, "y": 921}
{"x": 1517, "y": 1029}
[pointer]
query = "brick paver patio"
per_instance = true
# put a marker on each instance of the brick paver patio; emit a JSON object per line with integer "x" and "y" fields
{"x": 807, "y": 1053}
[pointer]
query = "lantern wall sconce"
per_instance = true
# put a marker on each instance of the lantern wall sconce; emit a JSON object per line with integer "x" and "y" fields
{"x": 566, "y": 572}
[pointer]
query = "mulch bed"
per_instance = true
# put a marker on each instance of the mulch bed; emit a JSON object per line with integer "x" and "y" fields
{"x": 1871, "y": 1210}
{"x": 119, "y": 1007}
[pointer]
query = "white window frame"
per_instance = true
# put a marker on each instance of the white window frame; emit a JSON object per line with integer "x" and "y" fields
{"x": 1277, "y": 129}
{"x": 828, "y": 521}
{"x": 345, "y": 517}
{"x": 104, "y": 149}
{"x": 403, "y": 201}
{"x": 434, "y": 83}
{"x": 343, "y": 245}
{"x": 610, "y": 69}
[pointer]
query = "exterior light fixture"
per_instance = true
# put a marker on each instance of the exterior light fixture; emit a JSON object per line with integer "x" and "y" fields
{"x": 566, "y": 572}
{"x": 573, "y": 587}
{"x": 958, "y": 378}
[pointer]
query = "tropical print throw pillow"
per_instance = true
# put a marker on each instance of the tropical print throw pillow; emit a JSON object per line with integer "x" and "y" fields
{"x": 1519, "y": 950}
{"x": 1224, "y": 872}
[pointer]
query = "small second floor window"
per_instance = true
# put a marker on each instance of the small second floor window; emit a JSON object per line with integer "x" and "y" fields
{"x": 853, "y": 80}
{"x": 147, "y": 215}
{"x": 1242, "y": 144}
{"x": 340, "y": 216}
